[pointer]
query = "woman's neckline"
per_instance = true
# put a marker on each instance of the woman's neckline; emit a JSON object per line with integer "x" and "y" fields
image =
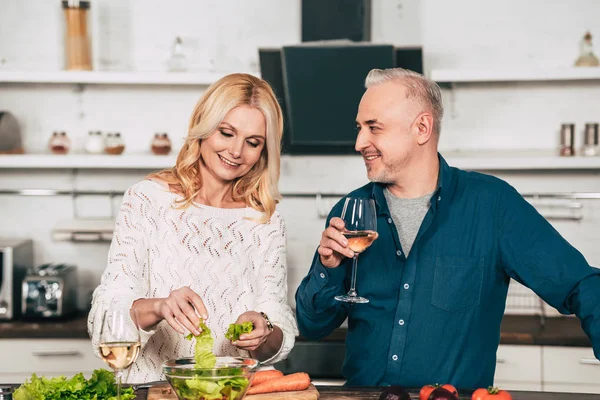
{"x": 195, "y": 203}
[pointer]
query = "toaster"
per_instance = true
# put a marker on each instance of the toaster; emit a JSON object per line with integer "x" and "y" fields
{"x": 50, "y": 291}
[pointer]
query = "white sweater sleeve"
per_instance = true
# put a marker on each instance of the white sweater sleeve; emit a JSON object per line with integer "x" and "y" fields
{"x": 272, "y": 290}
{"x": 125, "y": 278}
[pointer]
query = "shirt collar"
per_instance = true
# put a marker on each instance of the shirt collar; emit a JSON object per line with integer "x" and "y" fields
{"x": 444, "y": 188}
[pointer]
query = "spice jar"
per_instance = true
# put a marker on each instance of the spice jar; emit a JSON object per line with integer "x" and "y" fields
{"x": 161, "y": 144}
{"x": 77, "y": 42}
{"x": 567, "y": 140}
{"x": 94, "y": 143}
{"x": 114, "y": 144}
{"x": 59, "y": 143}
{"x": 590, "y": 140}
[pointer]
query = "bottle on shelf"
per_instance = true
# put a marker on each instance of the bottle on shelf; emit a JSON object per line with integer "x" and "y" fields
{"x": 178, "y": 60}
{"x": 567, "y": 140}
{"x": 590, "y": 140}
{"x": 587, "y": 58}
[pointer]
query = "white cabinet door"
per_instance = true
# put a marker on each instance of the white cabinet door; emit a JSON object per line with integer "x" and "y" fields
{"x": 570, "y": 369}
{"x": 519, "y": 367}
{"x": 47, "y": 357}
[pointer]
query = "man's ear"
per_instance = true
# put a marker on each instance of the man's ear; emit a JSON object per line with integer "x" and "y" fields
{"x": 424, "y": 125}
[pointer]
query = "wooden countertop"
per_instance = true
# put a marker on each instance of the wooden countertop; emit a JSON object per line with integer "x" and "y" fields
{"x": 343, "y": 393}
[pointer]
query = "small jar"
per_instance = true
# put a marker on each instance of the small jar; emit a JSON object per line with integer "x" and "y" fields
{"x": 161, "y": 144}
{"x": 59, "y": 143}
{"x": 94, "y": 143}
{"x": 114, "y": 144}
{"x": 590, "y": 140}
{"x": 567, "y": 140}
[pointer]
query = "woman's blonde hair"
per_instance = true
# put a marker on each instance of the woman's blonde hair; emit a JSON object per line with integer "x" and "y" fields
{"x": 259, "y": 187}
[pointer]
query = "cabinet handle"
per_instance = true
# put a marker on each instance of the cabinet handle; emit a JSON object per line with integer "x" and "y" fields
{"x": 589, "y": 361}
{"x": 59, "y": 353}
{"x": 500, "y": 361}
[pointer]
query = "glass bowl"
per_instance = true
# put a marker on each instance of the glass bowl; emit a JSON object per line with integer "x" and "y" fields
{"x": 228, "y": 380}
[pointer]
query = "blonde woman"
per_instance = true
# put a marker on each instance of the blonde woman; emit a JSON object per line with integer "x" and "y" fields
{"x": 203, "y": 239}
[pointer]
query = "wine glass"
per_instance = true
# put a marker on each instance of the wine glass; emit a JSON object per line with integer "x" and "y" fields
{"x": 360, "y": 218}
{"x": 119, "y": 341}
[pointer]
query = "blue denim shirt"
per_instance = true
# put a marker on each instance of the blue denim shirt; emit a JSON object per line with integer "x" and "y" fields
{"x": 435, "y": 316}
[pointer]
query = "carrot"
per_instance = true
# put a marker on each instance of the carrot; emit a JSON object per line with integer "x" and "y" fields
{"x": 263, "y": 376}
{"x": 287, "y": 383}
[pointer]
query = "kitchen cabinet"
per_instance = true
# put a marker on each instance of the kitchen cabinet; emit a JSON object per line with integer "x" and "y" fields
{"x": 570, "y": 369}
{"x": 48, "y": 357}
{"x": 519, "y": 367}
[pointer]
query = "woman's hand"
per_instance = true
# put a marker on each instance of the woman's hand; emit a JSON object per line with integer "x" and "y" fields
{"x": 259, "y": 335}
{"x": 183, "y": 308}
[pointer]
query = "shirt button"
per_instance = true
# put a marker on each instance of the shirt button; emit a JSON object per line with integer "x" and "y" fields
{"x": 439, "y": 198}
{"x": 322, "y": 275}
{"x": 406, "y": 286}
{"x": 401, "y": 322}
{"x": 398, "y": 253}
{"x": 395, "y": 357}
{"x": 389, "y": 220}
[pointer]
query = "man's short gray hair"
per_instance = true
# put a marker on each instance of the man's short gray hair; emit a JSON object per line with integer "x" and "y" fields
{"x": 417, "y": 86}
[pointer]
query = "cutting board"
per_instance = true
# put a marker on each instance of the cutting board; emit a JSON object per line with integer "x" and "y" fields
{"x": 164, "y": 392}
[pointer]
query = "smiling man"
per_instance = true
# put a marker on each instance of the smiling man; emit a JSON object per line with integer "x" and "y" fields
{"x": 449, "y": 242}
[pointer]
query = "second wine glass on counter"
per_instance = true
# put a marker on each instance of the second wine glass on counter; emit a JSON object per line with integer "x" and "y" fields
{"x": 119, "y": 341}
{"x": 360, "y": 219}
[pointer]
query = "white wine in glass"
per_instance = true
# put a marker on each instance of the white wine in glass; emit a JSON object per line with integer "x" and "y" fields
{"x": 119, "y": 341}
{"x": 360, "y": 219}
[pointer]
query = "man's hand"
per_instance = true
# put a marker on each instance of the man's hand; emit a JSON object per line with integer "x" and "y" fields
{"x": 333, "y": 248}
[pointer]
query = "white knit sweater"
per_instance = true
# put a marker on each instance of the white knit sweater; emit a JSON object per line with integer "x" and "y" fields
{"x": 233, "y": 263}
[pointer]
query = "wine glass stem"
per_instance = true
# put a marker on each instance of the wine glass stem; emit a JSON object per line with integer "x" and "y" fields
{"x": 352, "y": 291}
{"x": 119, "y": 373}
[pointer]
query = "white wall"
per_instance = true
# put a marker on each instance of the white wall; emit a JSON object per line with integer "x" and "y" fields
{"x": 223, "y": 36}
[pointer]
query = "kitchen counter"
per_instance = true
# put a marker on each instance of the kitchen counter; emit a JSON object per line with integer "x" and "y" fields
{"x": 68, "y": 328}
{"x": 516, "y": 329}
{"x": 522, "y": 329}
{"x": 342, "y": 393}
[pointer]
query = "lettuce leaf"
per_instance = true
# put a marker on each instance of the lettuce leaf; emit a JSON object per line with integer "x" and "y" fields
{"x": 236, "y": 330}
{"x": 208, "y": 388}
{"x": 100, "y": 386}
{"x": 203, "y": 354}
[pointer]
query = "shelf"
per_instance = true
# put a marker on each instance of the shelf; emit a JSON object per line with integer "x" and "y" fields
{"x": 87, "y": 161}
{"x": 503, "y": 160}
{"x": 111, "y": 78}
{"x": 515, "y": 75}
{"x": 518, "y": 160}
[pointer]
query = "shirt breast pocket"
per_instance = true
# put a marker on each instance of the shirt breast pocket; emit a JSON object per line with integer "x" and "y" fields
{"x": 457, "y": 282}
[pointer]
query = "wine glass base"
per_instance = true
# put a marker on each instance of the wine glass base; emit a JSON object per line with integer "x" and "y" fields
{"x": 352, "y": 299}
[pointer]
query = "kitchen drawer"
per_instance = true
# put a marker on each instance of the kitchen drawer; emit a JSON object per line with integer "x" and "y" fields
{"x": 519, "y": 367}
{"x": 48, "y": 357}
{"x": 570, "y": 369}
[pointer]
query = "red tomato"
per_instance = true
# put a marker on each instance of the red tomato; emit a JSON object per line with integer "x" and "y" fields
{"x": 425, "y": 392}
{"x": 491, "y": 393}
{"x": 427, "y": 389}
{"x": 451, "y": 389}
